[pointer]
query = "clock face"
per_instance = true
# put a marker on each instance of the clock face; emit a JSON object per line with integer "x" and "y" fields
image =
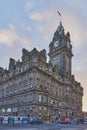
{"x": 56, "y": 43}
{"x": 61, "y": 31}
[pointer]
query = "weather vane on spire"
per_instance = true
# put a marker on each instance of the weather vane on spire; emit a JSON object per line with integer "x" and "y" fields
{"x": 59, "y": 15}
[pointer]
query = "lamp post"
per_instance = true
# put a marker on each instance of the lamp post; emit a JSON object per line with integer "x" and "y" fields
{"x": 53, "y": 111}
{"x": 31, "y": 112}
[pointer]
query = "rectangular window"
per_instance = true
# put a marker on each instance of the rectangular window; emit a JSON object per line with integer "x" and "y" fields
{"x": 34, "y": 59}
{"x": 3, "y": 110}
{"x": 40, "y": 98}
{"x": 31, "y": 97}
{"x": 14, "y": 109}
{"x": 60, "y": 104}
{"x": 8, "y": 109}
{"x": 44, "y": 98}
{"x": 51, "y": 101}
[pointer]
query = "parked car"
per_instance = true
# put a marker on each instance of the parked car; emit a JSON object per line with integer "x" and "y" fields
{"x": 80, "y": 121}
{"x": 58, "y": 121}
{"x": 25, "y": 120}
{"x": 85, "y": 120}
{"x": 66, "y": 121}
{"x": 36, "y": 121}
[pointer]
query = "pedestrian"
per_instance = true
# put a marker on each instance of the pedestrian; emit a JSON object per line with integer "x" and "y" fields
{"x": 1, "y": 120}
{"x": 56, "y": 119}
{"x": 13, "y": 120}
{"x": 8, "y": 120}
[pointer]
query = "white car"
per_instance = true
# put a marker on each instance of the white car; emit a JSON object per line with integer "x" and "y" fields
{"x": 85, "y": 120}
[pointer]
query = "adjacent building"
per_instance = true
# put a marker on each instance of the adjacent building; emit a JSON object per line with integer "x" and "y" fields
{"x": 34, "y": 87}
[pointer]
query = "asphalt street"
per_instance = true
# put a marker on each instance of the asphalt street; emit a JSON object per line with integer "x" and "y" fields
{"x": 43, "y": 127}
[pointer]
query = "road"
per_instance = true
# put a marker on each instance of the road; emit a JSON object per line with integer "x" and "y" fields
{"x": 43, "y": 127}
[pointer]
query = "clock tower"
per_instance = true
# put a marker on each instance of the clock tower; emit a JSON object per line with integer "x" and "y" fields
{"x": 60, "y": 51}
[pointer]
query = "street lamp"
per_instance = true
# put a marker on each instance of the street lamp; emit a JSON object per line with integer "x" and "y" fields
{"x": 53, "y": 112}
{"x": 59, "y": 116}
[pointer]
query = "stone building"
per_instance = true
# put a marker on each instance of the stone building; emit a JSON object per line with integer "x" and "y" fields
{"x": 32, "y": 86}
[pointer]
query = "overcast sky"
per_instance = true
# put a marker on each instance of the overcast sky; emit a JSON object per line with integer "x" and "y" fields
{"x": 29, "y": 23}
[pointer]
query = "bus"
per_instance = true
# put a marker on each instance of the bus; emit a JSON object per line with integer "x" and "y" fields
{"x": 13, "y": 119}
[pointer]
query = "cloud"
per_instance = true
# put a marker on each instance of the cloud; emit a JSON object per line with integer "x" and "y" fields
{"x": 76, "y": 28}
{"x": 36, "y": 16}
{"x": 40, "y": 28}
{"x": 12, "y": 43}
{"x": 9, "y": 37}
{"x": 28, "y": 5}
{"x": 44, "y": 26}
{"x": 11, "y": 26}
{"x": 28, "y": 29}
{"x": 25, "y": 28}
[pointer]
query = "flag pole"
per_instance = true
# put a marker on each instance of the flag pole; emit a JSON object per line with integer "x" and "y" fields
{"x": 59, "y": 15}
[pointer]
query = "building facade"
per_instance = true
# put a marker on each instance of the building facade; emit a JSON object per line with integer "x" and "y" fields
{"x": 35, "y": 87}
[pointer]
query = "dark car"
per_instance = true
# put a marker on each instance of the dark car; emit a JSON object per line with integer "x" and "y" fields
{"x": 80, "y": 121}
{"x": 36, "y": 121}
{"x": 25, "y": 120}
